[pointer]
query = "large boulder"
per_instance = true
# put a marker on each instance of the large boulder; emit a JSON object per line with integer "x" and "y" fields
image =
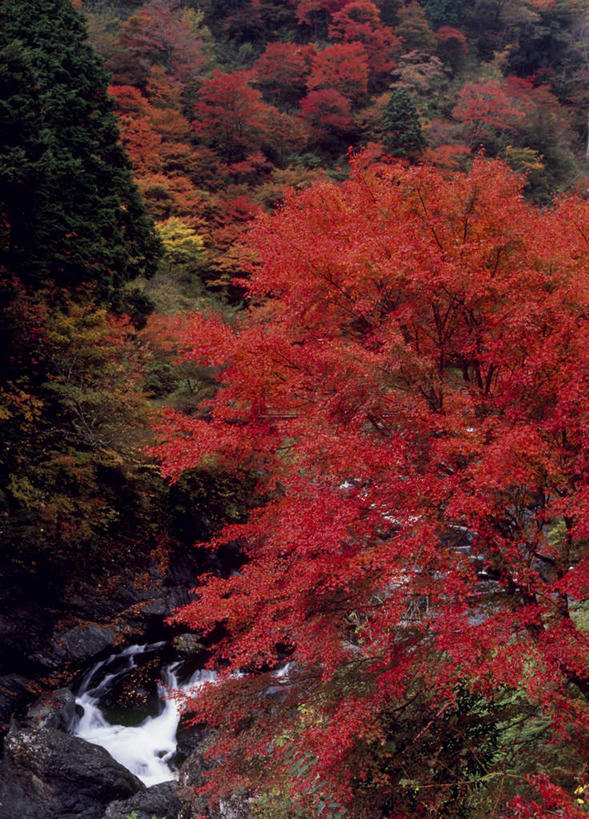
{"x": 50, "y": 774}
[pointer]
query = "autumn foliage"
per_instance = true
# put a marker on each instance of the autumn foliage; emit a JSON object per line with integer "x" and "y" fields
{"x": 281, "y": 71}
{"x": 230, "y": 114}
{"x": 409, "y": 386}
{"x": 359, "y": 22}
{"x": 160, "y": 33}
{"x": 343, "y": 67}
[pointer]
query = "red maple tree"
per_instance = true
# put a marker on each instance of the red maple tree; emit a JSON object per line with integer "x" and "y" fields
{"x": 359, "y": 22}
{"x": 282, "y": 69}
{"x": 230, "y": 115}
{"x": 490, "y": 104}
{"x": 328, "y": 114}
{"x": 307, "y": 8}
{"x": 409, "y": 385}
{"x": 344, "y": 67}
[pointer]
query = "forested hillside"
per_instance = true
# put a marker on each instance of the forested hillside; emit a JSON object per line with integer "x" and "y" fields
{"x": 224, "y": 104}
{"x": 305, "y": 282}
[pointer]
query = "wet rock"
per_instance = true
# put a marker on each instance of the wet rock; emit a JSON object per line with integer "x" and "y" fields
{"x": 54, "y": 710}
{"x": 155, "y": 607}
{"x": 193, "y": 775}
{"x": 137, "y": 689}
{"x": 140, "y": 594}
{"x": 78, "y": 644}
{"x": 49, "y": 774}
{"x": 189, "y": 739}
{"x": 236, "y": 806}
{"x": 160, "y": 801}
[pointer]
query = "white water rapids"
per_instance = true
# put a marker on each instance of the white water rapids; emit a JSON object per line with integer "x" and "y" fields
{"x": 147, "y": 749}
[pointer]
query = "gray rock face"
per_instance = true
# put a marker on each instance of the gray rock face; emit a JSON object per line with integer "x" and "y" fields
{"x": 54, "y": 710}
{"x": 236, "y": 807}
{"x": 76, "y": 645}
{"x": 49, "y": 774}
{"x": 160, "y": 801}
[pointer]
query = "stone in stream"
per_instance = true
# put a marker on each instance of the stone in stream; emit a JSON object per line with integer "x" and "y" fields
{"x": 54, "y": 710}
{"x": 159, "y": 800}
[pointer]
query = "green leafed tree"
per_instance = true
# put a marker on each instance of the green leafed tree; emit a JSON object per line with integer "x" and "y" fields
{"x": 69, "y": 210}
{"x": 402, "y": 135}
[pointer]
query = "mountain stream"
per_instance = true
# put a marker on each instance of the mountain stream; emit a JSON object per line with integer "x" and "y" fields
{"x": 149, "y": 748}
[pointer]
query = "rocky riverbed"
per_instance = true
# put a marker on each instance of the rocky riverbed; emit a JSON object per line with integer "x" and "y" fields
{"x": 47, "y": 772}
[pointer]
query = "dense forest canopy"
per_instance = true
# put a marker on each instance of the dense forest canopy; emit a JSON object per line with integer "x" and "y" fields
{"x": 325, "y": 261}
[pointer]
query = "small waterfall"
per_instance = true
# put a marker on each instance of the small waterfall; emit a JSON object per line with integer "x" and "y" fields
{"x": 147, "y": 750}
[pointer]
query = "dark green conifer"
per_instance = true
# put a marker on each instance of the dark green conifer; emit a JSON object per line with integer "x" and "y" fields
{"x": 70, "y": 212}
{"x": 402, "y": 135}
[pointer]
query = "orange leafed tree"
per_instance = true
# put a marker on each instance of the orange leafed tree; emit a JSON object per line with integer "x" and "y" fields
{"x": 409, "y": 385}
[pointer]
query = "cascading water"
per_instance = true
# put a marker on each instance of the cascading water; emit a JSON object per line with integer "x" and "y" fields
{"x": 147, "y": 750}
